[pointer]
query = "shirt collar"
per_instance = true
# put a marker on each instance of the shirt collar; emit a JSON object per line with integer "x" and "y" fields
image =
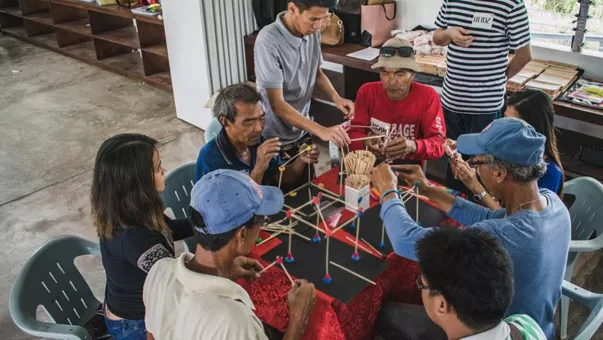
{"x": 226, "y": 149}
{"x": 293, "y": 40}
{"x": 498, "y": 332}
{"x": 208, "y": 284}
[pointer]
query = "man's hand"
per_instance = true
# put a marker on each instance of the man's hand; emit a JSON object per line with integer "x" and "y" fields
{"x": 246, "y": 268}
{"x": 468, "y": 176}
{"x": 266, "y": 152}
{"x": 400, "y": 147}
{"x": 383, "y": 178}
{"x": 309, "y": 157}
{"x": 411, "y": 174}
{"x": 459, "y": 36}
{"x": 374, "y": 145}
{"x": 450, "y": 147}
{"x": 335, "y": 134}
{"x": 346, "y": 106}
{"x": 301, "y": 300}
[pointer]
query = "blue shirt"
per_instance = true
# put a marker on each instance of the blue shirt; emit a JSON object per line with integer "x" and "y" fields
{"x": 553, "y": 177}
{"x": 219, "y": 153}
{"x": 537, "y": 241}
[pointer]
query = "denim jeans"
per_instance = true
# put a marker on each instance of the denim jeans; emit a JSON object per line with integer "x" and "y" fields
{"x": 126, "y": 329}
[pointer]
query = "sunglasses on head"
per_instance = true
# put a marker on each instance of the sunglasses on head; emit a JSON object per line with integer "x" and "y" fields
{"x": 403, "y": 51}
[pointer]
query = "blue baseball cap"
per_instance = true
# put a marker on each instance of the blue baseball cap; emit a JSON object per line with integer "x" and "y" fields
{"x": 227, "y": 199}
{"x": 509, "y": 139}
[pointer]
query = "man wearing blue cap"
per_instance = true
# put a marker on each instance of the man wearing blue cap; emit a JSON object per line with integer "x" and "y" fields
{"x": 195, "y": 296}
{"x": 534, "y": 227}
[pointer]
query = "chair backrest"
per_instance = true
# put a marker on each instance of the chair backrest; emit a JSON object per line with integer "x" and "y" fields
{"x": 212, "y": 130}
{"x": 178, "y": 185}
{"x": 587, "y": 210}
{"x": 593, "y": 301}
{"x": 51, "y": 279}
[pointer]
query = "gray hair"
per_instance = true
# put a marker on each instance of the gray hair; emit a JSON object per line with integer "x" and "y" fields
{"x": 520, "y": 173}
{"x": 226, "y": 101}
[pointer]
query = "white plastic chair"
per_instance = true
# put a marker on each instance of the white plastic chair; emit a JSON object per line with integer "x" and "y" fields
{"x": 213, "y": 129}
{"x": 593, "y": 301}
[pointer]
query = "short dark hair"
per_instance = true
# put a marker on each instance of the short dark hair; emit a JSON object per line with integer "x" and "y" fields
{"x": 226, "y": 101}
{"x": 472, "y": 270}
{"x": 307, "y": 4}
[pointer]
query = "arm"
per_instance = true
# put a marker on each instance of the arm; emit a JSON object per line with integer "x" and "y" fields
{"x": 441, "y": 37}
{"x": 434, "y": 131}
{"x": 361, "y": 118}
{"x": 150, "y": 336}
{"x": 518, "y": 32}
{"x": 296, "y": 170}
{"x": 522, "y": 57}
{"x": 468, "y": 176}
{"x": 181, "y": 228}
{"x": 324, "y": 84}
{"x": 143, "y": 247}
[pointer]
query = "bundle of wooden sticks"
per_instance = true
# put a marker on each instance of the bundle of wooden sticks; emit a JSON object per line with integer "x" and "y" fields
{"x": 359, "y": 162}
{"x": 357, "y": 181}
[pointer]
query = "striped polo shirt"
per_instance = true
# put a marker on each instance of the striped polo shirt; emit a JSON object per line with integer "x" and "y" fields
{"x": 476, "y": 76}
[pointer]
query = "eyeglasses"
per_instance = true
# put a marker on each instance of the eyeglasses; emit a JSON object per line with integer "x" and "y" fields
{"x": 258, "y": 219}
{"x": 474, "y": 164}
{"x": 403, "y": 51}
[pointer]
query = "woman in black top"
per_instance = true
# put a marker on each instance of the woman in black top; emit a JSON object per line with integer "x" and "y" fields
{"x": 134, "y": 233}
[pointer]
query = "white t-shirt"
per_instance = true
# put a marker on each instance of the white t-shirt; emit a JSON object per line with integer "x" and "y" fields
{"x": 182, "y": 304}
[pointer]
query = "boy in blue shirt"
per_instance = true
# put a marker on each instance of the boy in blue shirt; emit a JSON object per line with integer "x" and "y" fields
{"x": 534, "y": 227}
{"x": 240, "y": 145}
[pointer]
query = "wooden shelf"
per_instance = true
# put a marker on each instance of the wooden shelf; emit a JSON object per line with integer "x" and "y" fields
{"x": 159, "y": 50}
{"x": 14, "y": 11}
{"x": 129, "y": 63}
{"x": 79, "y": 26}
{"x": 93, "y": 6}
{"x": 84, "y": 51}
{"x": 124, "y": 36}
{"x": 46, "y": 40}
{"x": 162, "y": 80}
{"x": 15, "y": 32}
{"x": 40, "y": 17}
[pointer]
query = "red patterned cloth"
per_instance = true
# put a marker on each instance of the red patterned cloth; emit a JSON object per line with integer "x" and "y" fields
{"x": 331, "y": 319}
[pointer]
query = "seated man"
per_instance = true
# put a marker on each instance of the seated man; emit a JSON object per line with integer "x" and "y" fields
{"x": 535, "y": 227}
{"x": 409, "y": 112}
{"x": 194, "y": 296}
{"x": 240, "y": 145}
{"x": 466, "y": 284}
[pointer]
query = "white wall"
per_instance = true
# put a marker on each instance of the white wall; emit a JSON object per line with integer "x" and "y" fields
{"x": 412, "y": 13}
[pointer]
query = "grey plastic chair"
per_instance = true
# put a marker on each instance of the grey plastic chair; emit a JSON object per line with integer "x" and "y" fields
{"x": 176, "y": 196}
{"x": 587, "y": 220}
{"x": 593, "y": 301}
{"x": 212, "y": 130}
{"x": 51, "y": 279}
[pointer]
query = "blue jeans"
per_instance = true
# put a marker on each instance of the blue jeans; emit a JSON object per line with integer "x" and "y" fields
{"x": 126, "y": 329}
{"x": 458, "y": 124}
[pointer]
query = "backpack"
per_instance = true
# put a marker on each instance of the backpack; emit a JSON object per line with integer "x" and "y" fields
{"x": 265, "y": 11}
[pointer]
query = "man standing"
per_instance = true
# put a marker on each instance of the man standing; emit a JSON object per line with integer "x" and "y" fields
{"x": 479, "y": 35}
{"x": 194, "y": 296}
{"x": 534, "y": 227}
{"x": 240, "y": 146}
{"x": 287, "y": 67}
{"x": 408, "y": 112}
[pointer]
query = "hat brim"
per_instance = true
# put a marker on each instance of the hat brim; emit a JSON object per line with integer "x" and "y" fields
{"x": 273, "y": 201}
{"x": 468, "y": 144}
{"x": 397, "y": 62}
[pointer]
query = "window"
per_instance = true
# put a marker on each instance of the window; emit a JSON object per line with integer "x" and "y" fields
{"x": 555, "y": 22}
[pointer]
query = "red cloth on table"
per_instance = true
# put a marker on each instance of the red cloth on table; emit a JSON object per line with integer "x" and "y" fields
{"x": 331, "y": 319}
{"x": 419, "y": 117}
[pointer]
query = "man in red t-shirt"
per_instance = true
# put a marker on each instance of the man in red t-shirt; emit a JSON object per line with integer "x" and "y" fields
{"x": 409, "y": 113}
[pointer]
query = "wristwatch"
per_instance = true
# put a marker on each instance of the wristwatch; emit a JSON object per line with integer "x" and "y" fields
{"x": 479, "y": 197}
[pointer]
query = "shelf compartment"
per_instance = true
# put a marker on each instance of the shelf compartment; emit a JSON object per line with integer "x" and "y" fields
{"x": 162, "y": 80}
{"x": 34, "y": 28}
{"x": 79, "y": 26}
{"x": 8, "y": 21}
{"x": 15, "y": 31}
{"x": 13, "y": 10}
{"x": 83, "y": 51}
{"x": 129, "y": 63}
{"x": 64, "y": 14}
{"x": 126, "y": 36}
{"x": 158, "y": 50}
{"x": 40, "y": 17}
{"x": 67, "y": 38}
{"x": 29, "y": 7}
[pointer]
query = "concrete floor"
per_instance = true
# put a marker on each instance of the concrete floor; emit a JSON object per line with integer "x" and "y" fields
{"x": 54, "y": 113}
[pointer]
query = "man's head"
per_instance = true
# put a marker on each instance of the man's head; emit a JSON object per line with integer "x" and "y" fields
{"x": 466, "y": 279}
{"x": 309, "y": 16}
{"x": 227, "y": 209}
{"x": 397, "y": 67}
{"x": 240, "y": 111}
{"x": 507, "y": 150}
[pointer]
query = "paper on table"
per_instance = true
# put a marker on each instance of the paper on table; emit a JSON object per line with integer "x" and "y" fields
{"x": 368, "y": 53}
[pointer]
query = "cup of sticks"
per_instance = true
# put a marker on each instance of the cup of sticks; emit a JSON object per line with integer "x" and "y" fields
{"x": 358, "y": 166}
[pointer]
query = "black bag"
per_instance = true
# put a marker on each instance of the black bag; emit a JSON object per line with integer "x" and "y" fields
{"x": 351, "y": 27}
{"x": 265, "y": 11}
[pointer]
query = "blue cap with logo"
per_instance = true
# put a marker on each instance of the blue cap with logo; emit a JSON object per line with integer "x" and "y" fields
{"x": 508, "y": 139}
{"x": 227, "y": 199}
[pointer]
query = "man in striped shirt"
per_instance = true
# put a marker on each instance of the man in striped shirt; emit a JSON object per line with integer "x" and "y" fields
{"x": 479, "y": 35}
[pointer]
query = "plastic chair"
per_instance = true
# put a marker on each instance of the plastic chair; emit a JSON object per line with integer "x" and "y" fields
{"x": 51, "y": 279}
{"x": 176, "y": 196}
{"x": 587, "y": 220}
{"x": 213, "y": 129}
{"x": 593, "y": 301}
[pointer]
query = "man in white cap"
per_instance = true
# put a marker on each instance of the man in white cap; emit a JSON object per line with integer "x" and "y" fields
{"x": 409, "y": 113}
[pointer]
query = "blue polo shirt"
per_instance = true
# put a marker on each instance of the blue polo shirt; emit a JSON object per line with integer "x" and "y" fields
{"x": 219, "y": 153}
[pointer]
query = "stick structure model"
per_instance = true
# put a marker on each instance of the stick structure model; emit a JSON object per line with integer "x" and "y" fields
{"x": 353, "y": 273}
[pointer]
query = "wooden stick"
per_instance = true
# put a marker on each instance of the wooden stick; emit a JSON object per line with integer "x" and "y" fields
{"x": 357, "y": 235}
{"x": 301, "y": 236}
{"x": 365, "y": 138}
{"x": 330, "y": 194}
{"x": 359, "y": 126}
{"x": 353, "y": 273}
{"x": 296, "y": 189}
{"x": 307, "y": 223}
{"x": 286, "y": 272}
{"x": 324, "y": 207}
{"x": 359, "y": 245}
{"x": 320, "y": 215}
{"x": 270, "y": 238}
{"x": 296, "y": 209}
{"x": 341, "y": 171}
{"x": 343, "y": 225}
{"x": 417, "y": 215}
{"x": 327, "y": 257}
{"x": 299, "y": 153}
{"x": 373, "y": 248}
{"x": 290, "y": 235}
{"x": 268, "y": 266}
{"x": 382, "y": 232}
{"x": 280, "y": 179}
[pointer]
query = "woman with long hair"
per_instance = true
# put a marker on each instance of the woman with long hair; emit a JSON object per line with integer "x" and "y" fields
{"x": 536, "y": 108}
{"x": 134, "y": 233}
